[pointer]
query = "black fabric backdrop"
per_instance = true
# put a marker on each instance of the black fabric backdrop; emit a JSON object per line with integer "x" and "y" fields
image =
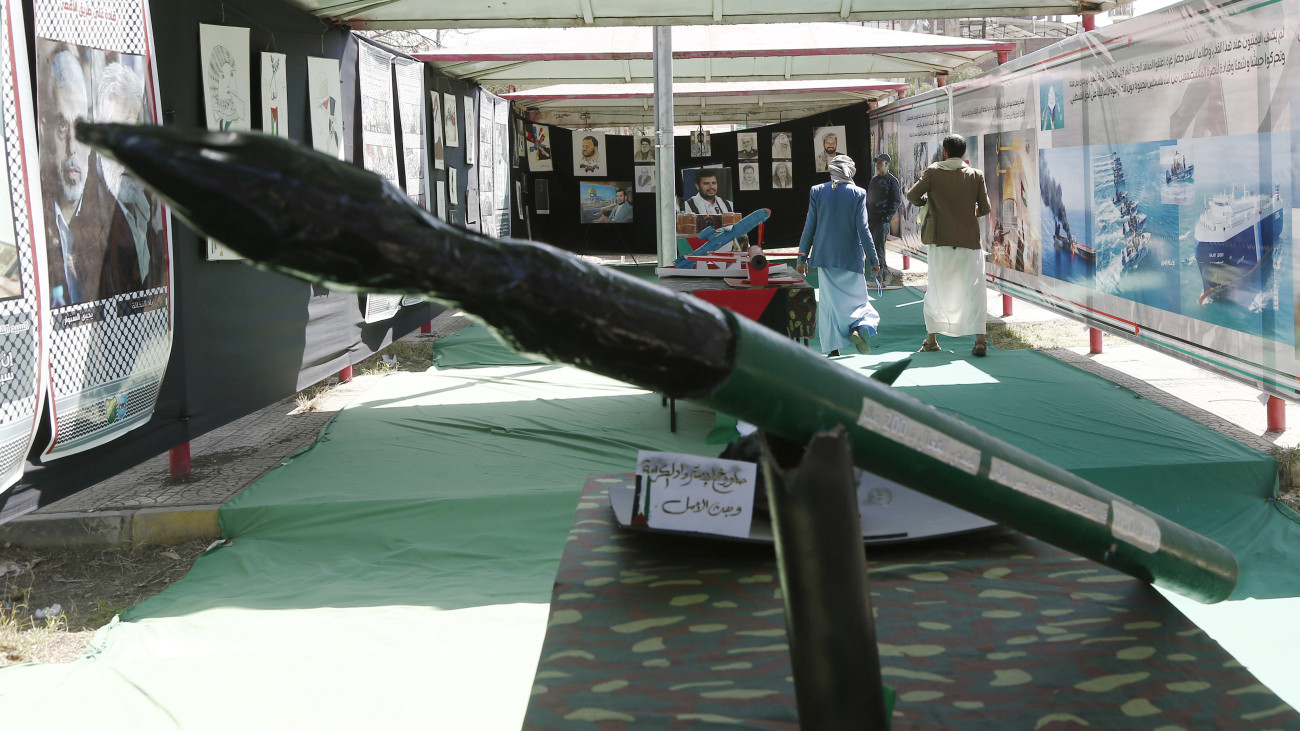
{"x": 243, "y": 338}
{"x": 789, "y": 206}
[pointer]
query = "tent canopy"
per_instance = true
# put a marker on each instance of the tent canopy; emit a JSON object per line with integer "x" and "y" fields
{"x": 773, "y": 52}
{"x": 753, "y": 102}
{"x": 386, "y": 14}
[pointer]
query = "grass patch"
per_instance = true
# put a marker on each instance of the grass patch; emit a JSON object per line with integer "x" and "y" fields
{"x": 404, "y": 355}
{"x": 1055, "y": 333}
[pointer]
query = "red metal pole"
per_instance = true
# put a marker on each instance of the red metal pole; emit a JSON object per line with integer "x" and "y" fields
{"x": 426, "y": 328}
{"x": 1006, "y": 305}
{"x": 1003, "y": 57}
{"x": 940, "y": 80}
{"x": 1276, "y": 414}
{"x": 345, "y": 375}
{"x": 1094, "y": 340}
{"x": 1089, "y": 21}
{"x": 907, "y": 261}
{"x": 178, "y": 459}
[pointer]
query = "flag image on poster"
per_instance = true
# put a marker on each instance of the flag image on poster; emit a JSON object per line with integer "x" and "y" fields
{"x": 275, "y": 95}
{"x": 450, "y": 120}
{"x": 223, "y": 54}
{"x": 410, "y": 115}
{"x": 107, "y": 240}
{"x": 435, "y": 114}
{"x": 324, "y": 90}
{"x": 24, "y": 325}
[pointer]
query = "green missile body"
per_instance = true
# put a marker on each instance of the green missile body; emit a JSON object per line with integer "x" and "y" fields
{"x": 293, "y": 210}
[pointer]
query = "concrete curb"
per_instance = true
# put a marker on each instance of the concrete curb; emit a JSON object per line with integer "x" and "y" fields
{"x": 113, "y": 528}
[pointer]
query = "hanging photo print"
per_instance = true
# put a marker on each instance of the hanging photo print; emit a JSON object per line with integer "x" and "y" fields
{"x": 451, "y": 185}
{"x": 645, "y": 178}
{"x": 410, "y": 114}
{"x": 323, "y": 91}
{"x": 521, "y": 149}
{"x": 226, "y": 95}
{"x": 781, "y": 147}
{"x": 539, "y": 148}
{"x": 471, "y": 130}
{"x": 701, "y": 143}
{"x": 827, "y": 143}
{"x": 747, "y": 146}
{"x": 275, "y": 93}
{"x": 542, "y": 196}
{"x": 589, "y": 153}
{"x": 749, "y": 176}
{"x": 451, "y": 121}
{"x": 643, "y": 148}
{"x": 106, "y": 235}
{"x": 435, "y": 113}
{"x": 781, "y": 174}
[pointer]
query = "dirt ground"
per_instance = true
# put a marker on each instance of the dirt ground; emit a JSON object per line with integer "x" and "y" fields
{"x": 90, "y": 587}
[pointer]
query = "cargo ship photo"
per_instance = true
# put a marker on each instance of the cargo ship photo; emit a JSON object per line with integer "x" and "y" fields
{"x": 1235, "y": 238}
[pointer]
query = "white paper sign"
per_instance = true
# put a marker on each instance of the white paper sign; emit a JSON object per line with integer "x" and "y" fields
{"x": 684, "y": 492}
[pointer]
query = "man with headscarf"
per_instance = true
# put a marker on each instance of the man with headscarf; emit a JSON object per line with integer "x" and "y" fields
{"x": 954, "y": 195}
{"x": 836, "y": 239}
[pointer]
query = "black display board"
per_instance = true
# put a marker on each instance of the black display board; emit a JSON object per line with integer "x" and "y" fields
{"x": 243, "y": 338}
{"x": 561, "y": 227}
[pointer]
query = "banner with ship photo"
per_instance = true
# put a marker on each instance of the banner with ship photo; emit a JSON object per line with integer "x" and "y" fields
{"x": 107, "y": 238}
{"x": 1149, "y": 166}
{"x": 24, "y": 326}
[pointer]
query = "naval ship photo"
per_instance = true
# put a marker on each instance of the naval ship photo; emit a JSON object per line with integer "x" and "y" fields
{"x": 1235, "y": 238}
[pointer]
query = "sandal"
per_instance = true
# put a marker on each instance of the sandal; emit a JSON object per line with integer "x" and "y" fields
{"x": 928, "y": 347}
{"x": 979, "y": 350}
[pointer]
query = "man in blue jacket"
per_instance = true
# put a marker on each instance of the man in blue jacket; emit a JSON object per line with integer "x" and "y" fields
{"x": 884, "y": 196}
{"x": 837, "y": 241}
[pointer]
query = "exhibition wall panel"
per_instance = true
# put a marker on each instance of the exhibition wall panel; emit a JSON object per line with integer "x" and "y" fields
{"x": 1141, "y": 178}
{"x": 242, "y": 338}
{"x": 780, "y": 150}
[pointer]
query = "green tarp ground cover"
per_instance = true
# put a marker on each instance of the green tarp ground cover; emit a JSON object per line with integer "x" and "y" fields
{"x": 397, "y": 573}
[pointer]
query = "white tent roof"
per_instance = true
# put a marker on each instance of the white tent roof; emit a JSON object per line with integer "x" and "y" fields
{"x": 772, "y": 52}
{"x": 751, "y": 102}
{"x": 379, "y": 14}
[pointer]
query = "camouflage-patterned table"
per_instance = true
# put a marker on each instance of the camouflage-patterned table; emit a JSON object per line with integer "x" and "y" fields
{"x": 993, "y": 631}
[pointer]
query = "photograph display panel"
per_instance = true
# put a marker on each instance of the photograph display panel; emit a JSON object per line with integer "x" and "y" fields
{"x": 539, "y": 148}
{"x": 1175, "y": 227}
{"x": 450, "y": 120}
{"x": 589, "y": 154}
{"x": 24, "y": 327}
{"x": 107, "y": 240}
{"x": 605, "y": 201}
{"x": 435, "y": 114}
{"x": 410, "y": 115}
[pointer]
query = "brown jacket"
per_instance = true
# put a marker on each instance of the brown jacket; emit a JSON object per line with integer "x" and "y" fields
{"x": 953, "y": 196}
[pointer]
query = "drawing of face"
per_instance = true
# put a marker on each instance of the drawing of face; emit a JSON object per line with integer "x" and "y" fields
{"x": 226, "y": 82}
{"x": 749, "y": 175}
{"x": 748, "y": 145}
{"x": 829, "y": 143}
{"x": 588, "y": 147}
{"x": 782, "y": 175}
{"x": 645, "y": 146}
{"x": 708, "y": 186}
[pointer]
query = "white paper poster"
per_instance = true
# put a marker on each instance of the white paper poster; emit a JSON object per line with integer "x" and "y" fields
{"x": 323, "y": 94}
{"x": 589, "y": 154}
{"x": 539, "y": 148}
{"x": 275, "y": 93}
{"x": 471, "y": 130}
{"x": 224, "y": 62}
{"x": 435, "y": 114}
{"x": 410, "y": 106}
{"x": 684, "y": 492}
{"x": 451, "y": 185}
{"x": 451, "y": 119}
{"x": 379, "y": 141}
{"x": 107, "y": 239}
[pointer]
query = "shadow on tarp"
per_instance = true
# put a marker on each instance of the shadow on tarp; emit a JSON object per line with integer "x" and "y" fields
{"x": 411, "y": 498}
